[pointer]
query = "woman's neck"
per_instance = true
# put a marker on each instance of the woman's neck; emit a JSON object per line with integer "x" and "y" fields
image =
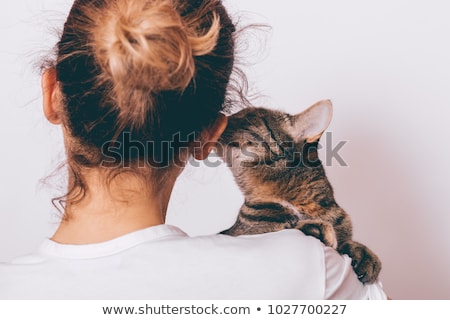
{"x": 105, "y": 213}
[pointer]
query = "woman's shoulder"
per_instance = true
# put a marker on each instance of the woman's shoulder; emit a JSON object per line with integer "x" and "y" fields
{"x": 17, "y": 272}
{"x": 287, "y": 239}
{"x": 282, "y": 250}
{"x": 210, "y": 266}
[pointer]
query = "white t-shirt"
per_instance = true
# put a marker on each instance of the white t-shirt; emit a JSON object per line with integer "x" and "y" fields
{"x": 164, "y": 263}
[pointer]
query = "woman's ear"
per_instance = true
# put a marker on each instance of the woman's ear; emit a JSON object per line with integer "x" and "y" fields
{"x": 209, "y": 137}
{"x": 51, "y": 96}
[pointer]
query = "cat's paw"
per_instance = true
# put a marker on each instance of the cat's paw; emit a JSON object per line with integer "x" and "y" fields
{"x": 321, "y": 230}
{"x": 366, "y": 264}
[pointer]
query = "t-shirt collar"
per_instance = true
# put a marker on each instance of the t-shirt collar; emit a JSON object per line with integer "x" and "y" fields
{"x": 103, "y": 249}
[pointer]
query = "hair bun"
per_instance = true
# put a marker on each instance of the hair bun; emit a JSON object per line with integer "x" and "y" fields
{"x": 145, "y": 47}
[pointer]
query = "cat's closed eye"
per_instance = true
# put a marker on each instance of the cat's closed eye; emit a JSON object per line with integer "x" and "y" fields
{"x": 250, "y": 143}
{"x": 234, "y": 144}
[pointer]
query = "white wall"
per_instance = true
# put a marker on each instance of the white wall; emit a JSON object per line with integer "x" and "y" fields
{"x": 385, "y": 66}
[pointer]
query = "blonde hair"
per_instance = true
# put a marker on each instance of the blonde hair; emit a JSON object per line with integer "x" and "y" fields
{"x": 146, "y": 46}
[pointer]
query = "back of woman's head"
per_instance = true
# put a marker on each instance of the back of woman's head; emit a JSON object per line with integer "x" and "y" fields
{"x": 149, "y": 70}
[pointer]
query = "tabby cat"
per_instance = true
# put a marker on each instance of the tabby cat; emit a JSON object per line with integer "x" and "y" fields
{"x": 274, "y": 159}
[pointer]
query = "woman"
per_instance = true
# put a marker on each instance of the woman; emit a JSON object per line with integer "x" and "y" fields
{"x": 137, "y": 88}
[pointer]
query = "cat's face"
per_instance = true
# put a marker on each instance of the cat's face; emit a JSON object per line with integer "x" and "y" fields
{"x": 265, "y": 142}
{"x": 257, "y": 137}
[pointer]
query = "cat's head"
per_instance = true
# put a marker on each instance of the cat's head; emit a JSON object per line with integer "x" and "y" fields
{"x": 267, "y": 141}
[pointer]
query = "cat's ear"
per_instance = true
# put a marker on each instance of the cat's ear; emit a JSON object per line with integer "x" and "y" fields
{"x": 310, "y": 124}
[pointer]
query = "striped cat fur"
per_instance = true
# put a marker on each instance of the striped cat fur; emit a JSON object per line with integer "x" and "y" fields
{"x": 274, "y": 159}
